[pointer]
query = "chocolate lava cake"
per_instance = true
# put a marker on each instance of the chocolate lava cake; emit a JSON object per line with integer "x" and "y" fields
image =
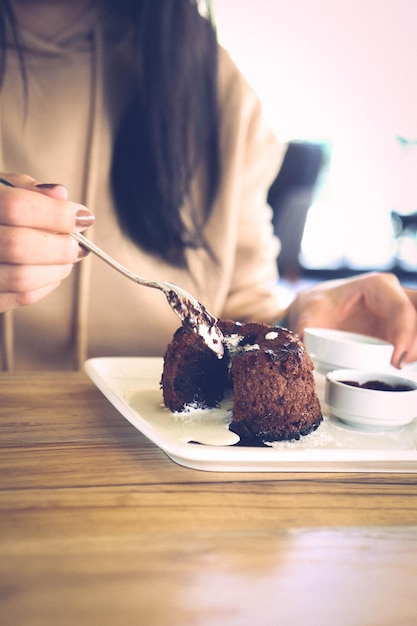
{"x": 267, "y": 369}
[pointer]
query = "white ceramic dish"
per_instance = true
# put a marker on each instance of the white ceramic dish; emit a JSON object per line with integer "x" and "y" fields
{"x": 335, "y": 349}
{"x": 371, "y": 408}
{"x": 132, "y": 386}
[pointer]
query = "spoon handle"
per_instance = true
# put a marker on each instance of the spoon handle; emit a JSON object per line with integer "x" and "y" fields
{"x": 89, "y": 245}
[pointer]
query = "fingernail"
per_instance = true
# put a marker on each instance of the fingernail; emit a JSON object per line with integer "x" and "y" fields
{"x": 84, "y": 218}
{"x": 402, "y": 359}
{"x": 82, "y": 253}
{"x": 47, "y": 185}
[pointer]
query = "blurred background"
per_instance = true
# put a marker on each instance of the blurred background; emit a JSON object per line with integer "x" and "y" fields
{"x": 337, "y": 81}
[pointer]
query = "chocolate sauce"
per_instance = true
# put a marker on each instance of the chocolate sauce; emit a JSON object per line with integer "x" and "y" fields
{"x": 378, "y": 385}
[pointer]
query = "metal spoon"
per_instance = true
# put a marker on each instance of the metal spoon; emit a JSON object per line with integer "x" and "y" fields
{"x": 190, "y": 311}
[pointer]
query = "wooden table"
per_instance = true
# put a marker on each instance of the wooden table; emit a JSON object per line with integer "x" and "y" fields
{"x": 99, "y": 527}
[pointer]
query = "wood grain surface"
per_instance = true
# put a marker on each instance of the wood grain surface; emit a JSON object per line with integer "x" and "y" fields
{"x": 99, "y": 526}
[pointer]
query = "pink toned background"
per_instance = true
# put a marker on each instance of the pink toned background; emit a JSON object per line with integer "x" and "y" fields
{"x": 341, "y": 72}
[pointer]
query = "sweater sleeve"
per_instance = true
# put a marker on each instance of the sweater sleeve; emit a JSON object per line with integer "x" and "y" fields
{"x": 251, "y": 159}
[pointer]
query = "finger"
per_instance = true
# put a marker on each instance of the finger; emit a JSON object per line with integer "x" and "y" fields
{"x": 20, "y": 246}
{"x": 374, "y": 304}
{"x": 316, "y": 307}
{"x": 10, "y": 301}
{"x": 46, "y": 209}
{"x": 402, "y": 335}
{"x": 59, "y": 192}
{"x": 13, "y": 179}
{"x": 22, "y": 181}
{"x": 387, "y": 300}
{"x": 24, "y": 279}
{"x": 412, "y": 296}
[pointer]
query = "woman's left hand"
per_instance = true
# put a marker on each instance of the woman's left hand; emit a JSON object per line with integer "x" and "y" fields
{"x": 374, "y": 304}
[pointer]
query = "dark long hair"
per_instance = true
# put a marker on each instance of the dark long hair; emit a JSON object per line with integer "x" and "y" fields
{"x": 170, "y": 129}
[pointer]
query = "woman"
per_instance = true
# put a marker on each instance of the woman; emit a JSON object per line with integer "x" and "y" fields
{"x": 132, "y": 107}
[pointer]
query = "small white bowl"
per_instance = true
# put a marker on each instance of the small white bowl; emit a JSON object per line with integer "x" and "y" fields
{"x": 371, "y": 409}
{"x": 333, "y": 349}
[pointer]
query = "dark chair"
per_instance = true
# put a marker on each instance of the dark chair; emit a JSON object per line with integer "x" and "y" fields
{"x": 290, "y": 197}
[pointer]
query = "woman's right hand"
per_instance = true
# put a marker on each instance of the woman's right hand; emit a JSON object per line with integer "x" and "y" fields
{"x": 36, "y": 249}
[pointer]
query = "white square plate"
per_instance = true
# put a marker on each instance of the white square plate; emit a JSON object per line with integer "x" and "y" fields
{"x": 201, "y": 439}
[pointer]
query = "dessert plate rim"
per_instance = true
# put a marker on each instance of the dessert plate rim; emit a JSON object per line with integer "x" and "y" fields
{"x": 131, "y": 385}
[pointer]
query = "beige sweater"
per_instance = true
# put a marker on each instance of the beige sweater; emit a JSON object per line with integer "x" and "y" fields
{"x": 77, "y": 87}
